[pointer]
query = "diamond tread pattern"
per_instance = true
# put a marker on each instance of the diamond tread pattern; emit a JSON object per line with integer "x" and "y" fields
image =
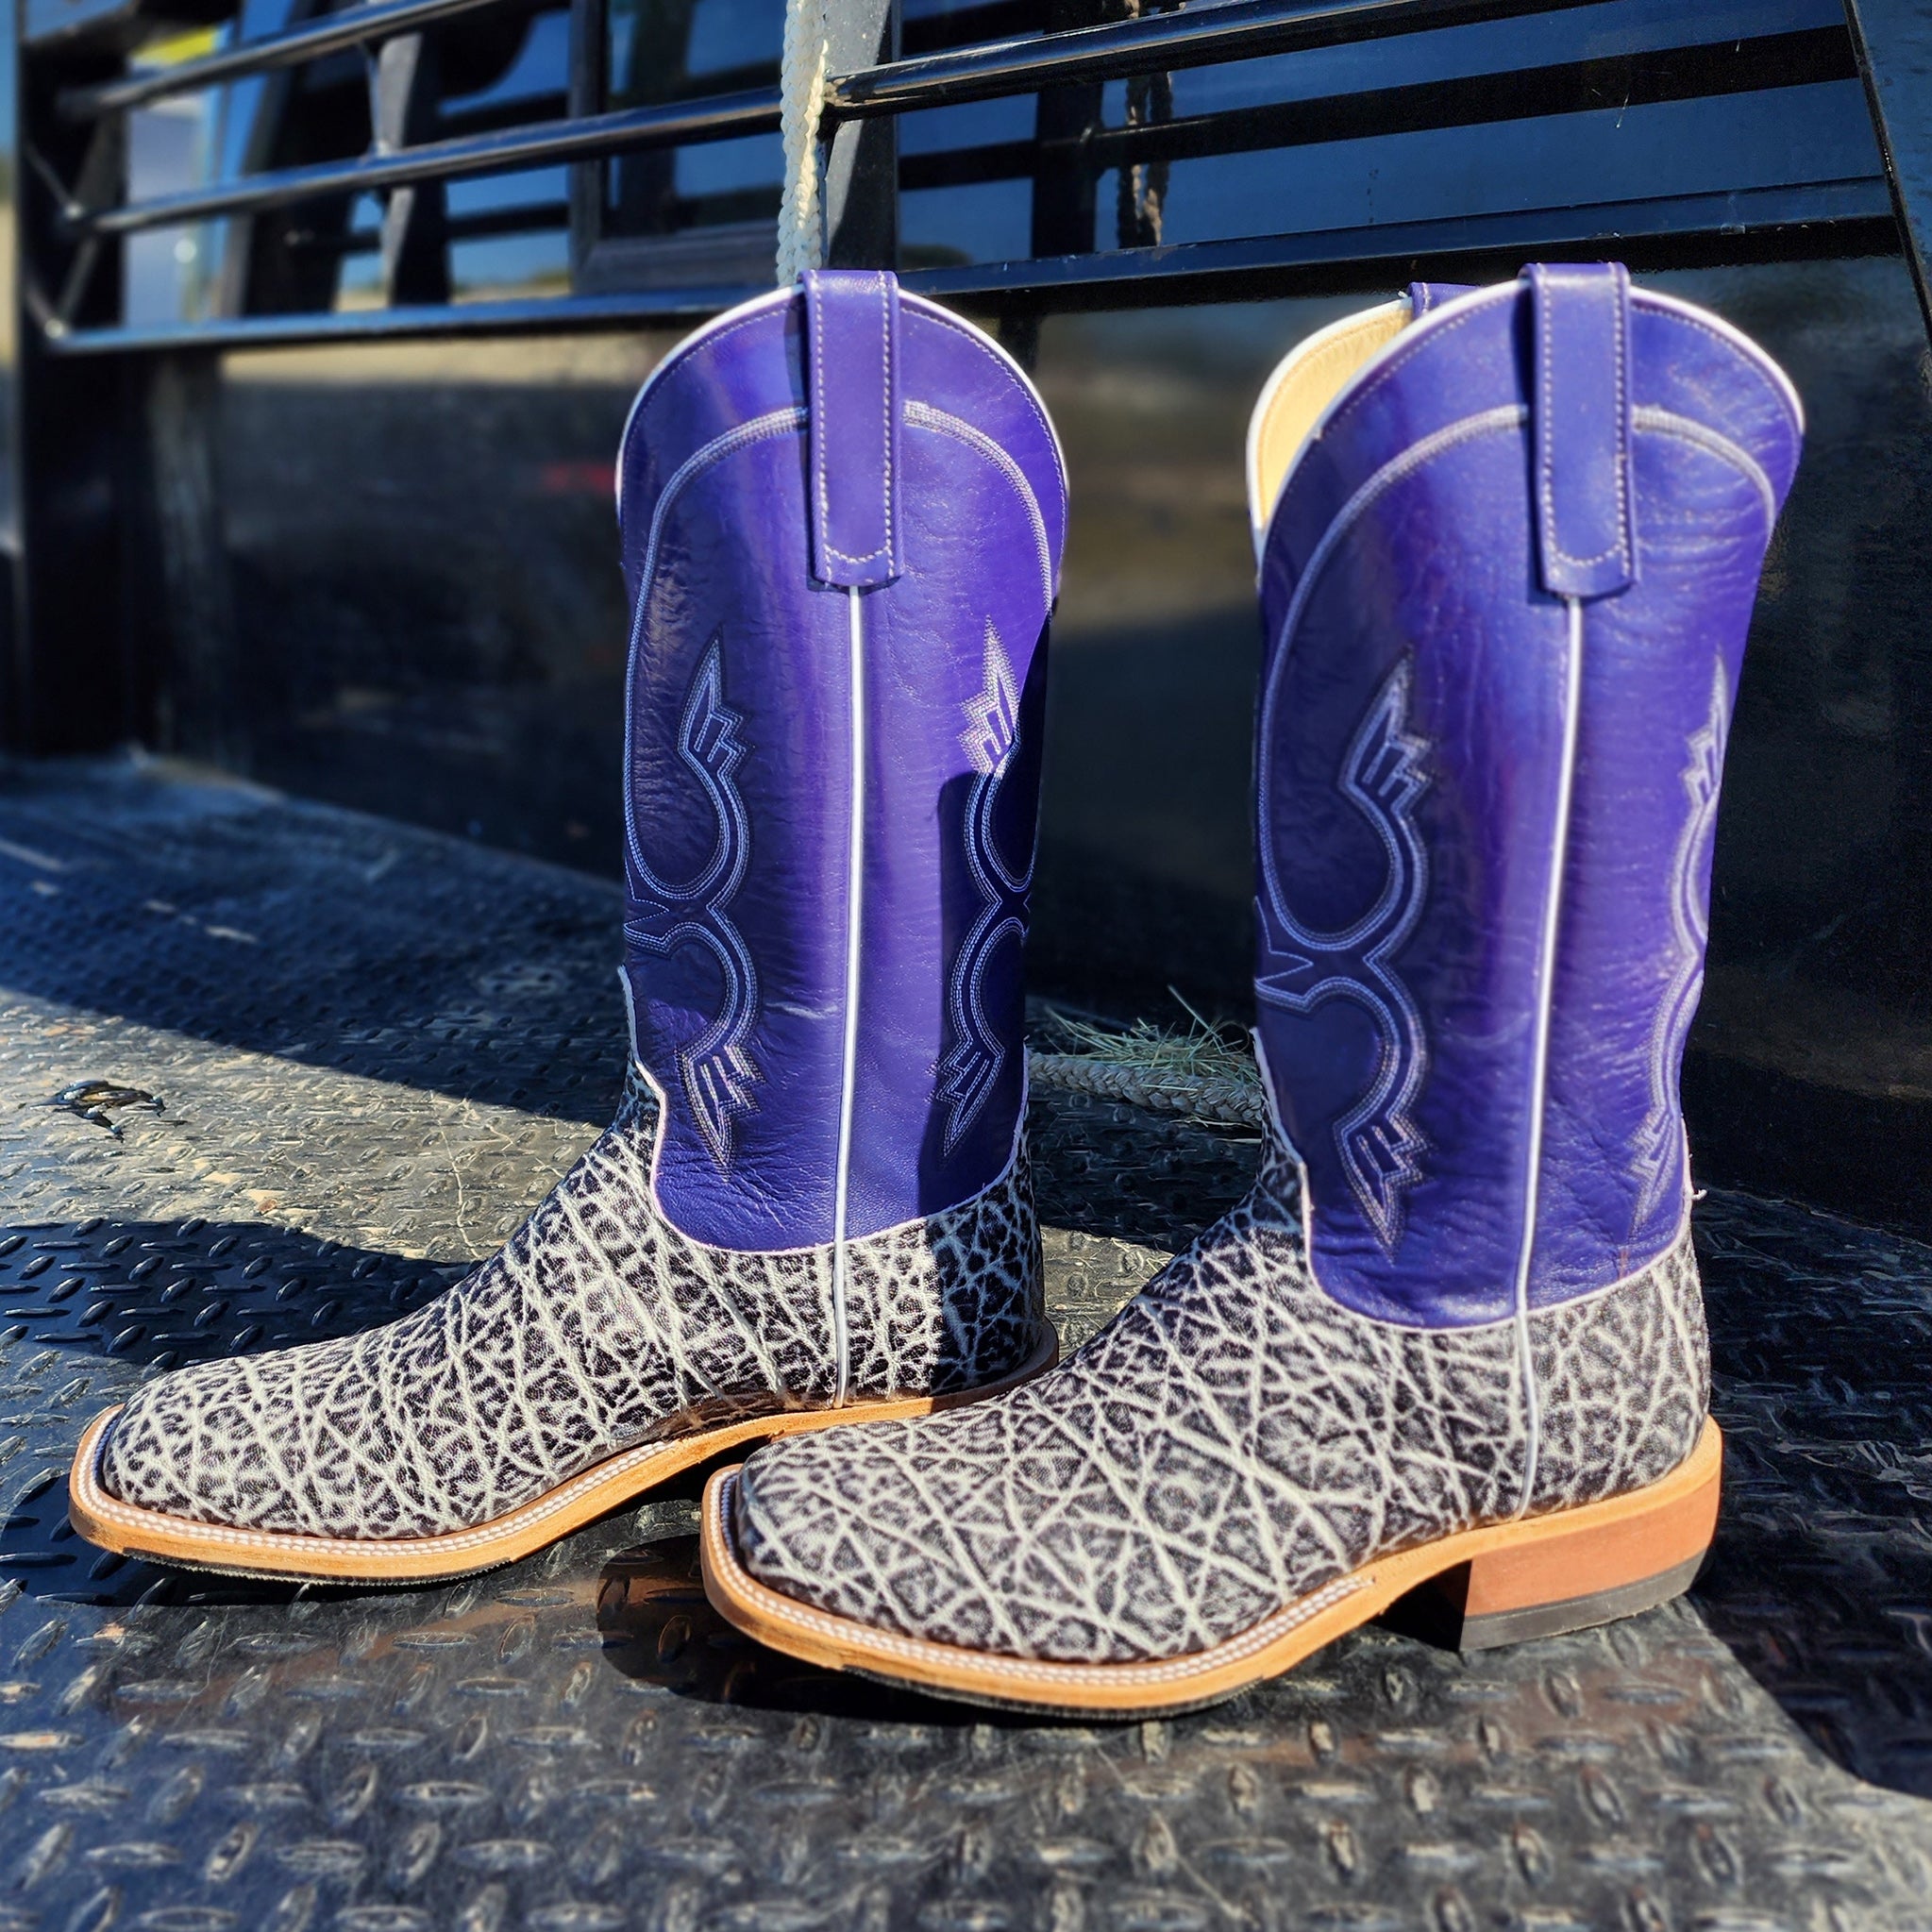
{"x": 376, "y": 1049}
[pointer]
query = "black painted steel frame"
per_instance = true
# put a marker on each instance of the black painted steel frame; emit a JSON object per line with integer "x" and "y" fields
{"x": 83, "y": 456}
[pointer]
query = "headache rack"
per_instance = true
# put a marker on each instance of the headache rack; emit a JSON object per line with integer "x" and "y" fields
{"x": 1685, "y": 134}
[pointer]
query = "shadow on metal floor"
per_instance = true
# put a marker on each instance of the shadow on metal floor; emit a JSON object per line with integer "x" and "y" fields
{"x": 373, "y": 1048}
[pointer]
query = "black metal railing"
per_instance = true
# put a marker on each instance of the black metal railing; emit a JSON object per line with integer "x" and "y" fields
{"x": 1160, "y": 43}
{"x": 361, "y": 27}
{"x": 1837, "y": 213}
{"x": 1506, "y": 120}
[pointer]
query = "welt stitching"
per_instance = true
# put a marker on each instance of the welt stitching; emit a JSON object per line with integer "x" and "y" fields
{"x": 1236, "y": 1649}
{"x": 873, "y": 1252}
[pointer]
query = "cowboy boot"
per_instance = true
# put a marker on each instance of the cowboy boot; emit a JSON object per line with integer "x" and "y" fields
{"x": 1454, "y": 1334}
{"x": 841, "y": 512}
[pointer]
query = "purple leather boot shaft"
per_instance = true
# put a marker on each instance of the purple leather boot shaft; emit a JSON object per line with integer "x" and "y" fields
{"x": 842, "y": 511}
{"x": 1505, "y": 590}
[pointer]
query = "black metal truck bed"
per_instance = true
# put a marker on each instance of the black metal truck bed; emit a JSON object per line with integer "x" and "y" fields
{"x": 371, "y": 1048}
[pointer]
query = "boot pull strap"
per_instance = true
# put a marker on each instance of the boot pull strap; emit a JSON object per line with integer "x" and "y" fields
{"x": 853, "y": 389}
{"x": 1580, "y": 351}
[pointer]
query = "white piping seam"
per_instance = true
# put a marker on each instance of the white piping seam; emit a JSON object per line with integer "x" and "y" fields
{"x": 855, "y": 878}
{"x": 1540, "y": 1060}
{"x": 812, "y": 1249}
{"x": 1658, "y": 421}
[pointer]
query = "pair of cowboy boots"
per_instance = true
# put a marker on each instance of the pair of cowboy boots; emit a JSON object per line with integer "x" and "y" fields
{"x": 1510, "y": 540}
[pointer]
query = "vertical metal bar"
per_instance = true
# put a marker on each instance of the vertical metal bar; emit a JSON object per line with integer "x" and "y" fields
{"x": 186, "y": 667}
{"x": 589, "y": 87}
{"x": 404, "y": 92}
{"x": 1066, "y": 117}
{"x": 862, "y": 169}
{"x": 265, "y": 270}
{"x": 1894, "y": 42}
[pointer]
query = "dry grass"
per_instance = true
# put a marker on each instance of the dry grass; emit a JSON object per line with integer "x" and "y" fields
{"x": 1199, "y": 1052}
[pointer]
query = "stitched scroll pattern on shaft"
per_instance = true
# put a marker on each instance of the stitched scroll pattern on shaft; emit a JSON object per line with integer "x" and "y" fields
{"x": 1382, "y": 777}
{"x": 715, "y": 1070}
{"x": 967, "y": 1073}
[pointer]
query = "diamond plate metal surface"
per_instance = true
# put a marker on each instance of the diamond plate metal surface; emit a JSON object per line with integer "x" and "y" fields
{"x": 374, "y": 1050}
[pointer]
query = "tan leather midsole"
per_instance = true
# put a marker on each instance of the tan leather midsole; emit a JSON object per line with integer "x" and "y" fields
{"x": 106, "y": 1520}
{"x": 1596, "y": 1546}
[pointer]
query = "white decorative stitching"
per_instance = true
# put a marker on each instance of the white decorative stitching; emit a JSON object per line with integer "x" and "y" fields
{"x": 1661, "y": 422}
{"x": 985, "y": 345}
{"x": 715, "y": 1070}
{"x": 653, "y": 385}
{"x": 1659, "y": 1139}
{"x": 1400, "y": 357}
{"x": 774, "y": 423}
{"x": 831, "y": 549}
{"x": 1667, "y": 307}
{"x": 821, "y": 416}
{"x": 1401, "y": 1071}
{"x": 968, "y": 1072}
{"x": 925, "y": 416}
{"x": 1376, "y": 1139}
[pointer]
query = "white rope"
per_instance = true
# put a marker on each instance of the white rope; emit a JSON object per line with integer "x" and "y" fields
{"x": 801, "y": 101}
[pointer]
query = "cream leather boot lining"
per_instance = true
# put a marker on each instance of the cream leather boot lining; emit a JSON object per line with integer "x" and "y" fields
{"x": 1308, "y": 378}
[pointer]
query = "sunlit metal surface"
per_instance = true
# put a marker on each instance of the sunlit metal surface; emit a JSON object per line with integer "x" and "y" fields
{"x": 376, "y": 1048}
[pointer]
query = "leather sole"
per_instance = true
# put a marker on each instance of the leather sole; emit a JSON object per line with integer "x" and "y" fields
{"x": 161, "y": 1538}
{"x": 1507, "y": 1582}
